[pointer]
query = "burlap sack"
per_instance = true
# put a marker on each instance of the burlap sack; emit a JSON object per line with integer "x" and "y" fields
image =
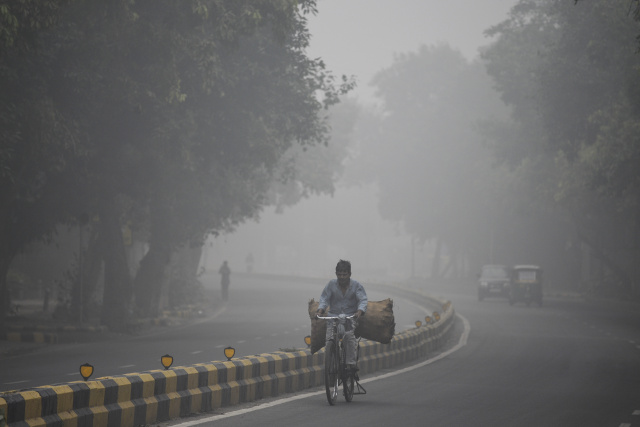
{"x": 378, "y": 323}
{"x": 318, "y": 328}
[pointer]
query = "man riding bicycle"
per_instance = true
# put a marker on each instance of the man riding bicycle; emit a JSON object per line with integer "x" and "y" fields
{"x": 344, "y": 296}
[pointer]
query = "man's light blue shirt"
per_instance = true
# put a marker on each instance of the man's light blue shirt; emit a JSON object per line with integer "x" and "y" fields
{"x": 353, "y": 300}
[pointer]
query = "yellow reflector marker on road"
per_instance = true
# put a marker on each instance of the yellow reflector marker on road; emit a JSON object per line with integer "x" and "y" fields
{"x": 166, "y": 361}
{"x": 86, "y": 371}
{"x": 229, "y": 352}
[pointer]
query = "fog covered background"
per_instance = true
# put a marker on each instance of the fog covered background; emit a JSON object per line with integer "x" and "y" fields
{"x": 416, "y": 139}
{"x": 357, "y": 38}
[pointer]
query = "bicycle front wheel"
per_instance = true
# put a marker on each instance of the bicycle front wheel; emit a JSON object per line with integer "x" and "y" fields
{"x": 331, "y": 376}
{"x": 347, "y": 375}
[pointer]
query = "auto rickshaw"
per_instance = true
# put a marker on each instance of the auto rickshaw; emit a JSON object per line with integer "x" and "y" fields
{"x": 526, "y": 285}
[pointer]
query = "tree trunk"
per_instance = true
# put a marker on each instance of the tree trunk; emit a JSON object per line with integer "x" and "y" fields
{"x": 184, "y": 283}
{"x": 7, "y": 254}
{"x": 148, "y": 281}
{"x": 5, "y": 298}
{"x": 117, "y": 283}
{"x": 448, "y": 265}
{"x": 435, "y": 265}
{"x": 92, "y": 259}
{"x": 190, "y": 261}
{"x": 606, "y": 261}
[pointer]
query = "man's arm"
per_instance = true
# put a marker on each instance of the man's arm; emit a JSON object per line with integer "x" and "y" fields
{"x": 363, "y": 300}
{"x": 325, "y": 296}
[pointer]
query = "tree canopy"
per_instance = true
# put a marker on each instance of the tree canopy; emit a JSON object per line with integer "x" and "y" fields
{"x": 550, "y": 179}
{"x": 431, "y": 166}
{"x": 570, "y": 74}
{"x": 173, "y": 117}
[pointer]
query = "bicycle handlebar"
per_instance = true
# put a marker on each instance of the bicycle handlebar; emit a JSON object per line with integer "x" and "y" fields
{"x": 334, "y": 317}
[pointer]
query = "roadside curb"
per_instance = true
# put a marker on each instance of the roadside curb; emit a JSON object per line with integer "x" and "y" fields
{"x": 47, "y": 334}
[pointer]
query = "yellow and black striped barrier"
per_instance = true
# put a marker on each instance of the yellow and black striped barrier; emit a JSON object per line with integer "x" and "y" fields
{"x": 161, "y": 395}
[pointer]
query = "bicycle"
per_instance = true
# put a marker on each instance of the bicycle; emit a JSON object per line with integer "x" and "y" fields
{"x": 336, "y": 372}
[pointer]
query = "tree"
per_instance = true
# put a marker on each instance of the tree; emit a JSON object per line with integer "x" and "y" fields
{"x": 181, "y": 112}
{"x": 305, "y": 171}
{"x": 634, "y": 10}
{"x": 570, "y": 73}
{"x": 260, "y": 106}
{"x": 432, "y": 168}
{"x": 37, "y": 143}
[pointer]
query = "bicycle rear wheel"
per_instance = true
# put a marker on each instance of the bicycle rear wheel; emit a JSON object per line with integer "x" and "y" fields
{"x": 347, "y": 375}
{"x": 331, "y": 375}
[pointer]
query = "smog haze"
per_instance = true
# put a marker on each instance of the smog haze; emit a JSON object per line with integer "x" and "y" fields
{"x": 356, "y": 38}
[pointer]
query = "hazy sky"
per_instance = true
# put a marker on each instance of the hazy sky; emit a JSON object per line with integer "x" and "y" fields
{"x": 357, "y": 37}
{"x": 360, "y": 37}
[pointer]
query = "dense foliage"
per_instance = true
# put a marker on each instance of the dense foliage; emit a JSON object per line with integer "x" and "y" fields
{"x": 557, "y": 180}
{"x": 434, "y": 101}
{"x": 165, "y": 117}
{"x": 571, "y": 74}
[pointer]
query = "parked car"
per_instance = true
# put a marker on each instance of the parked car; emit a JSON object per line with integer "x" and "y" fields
{"x": 526, "y": 284}
{"x": 493, "y": 280}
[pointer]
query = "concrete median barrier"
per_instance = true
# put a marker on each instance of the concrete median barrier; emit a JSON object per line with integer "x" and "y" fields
{"x": 160, "y": 395}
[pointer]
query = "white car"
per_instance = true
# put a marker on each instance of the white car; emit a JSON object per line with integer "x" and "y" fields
{"x": 493, "y": 281}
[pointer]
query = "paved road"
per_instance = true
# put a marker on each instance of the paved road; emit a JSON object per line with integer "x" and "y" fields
{"x": 263, "y": 315}
{"x": 569, "y": 363}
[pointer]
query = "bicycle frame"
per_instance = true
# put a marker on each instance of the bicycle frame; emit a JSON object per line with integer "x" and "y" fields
{"x": 336, "y": 372}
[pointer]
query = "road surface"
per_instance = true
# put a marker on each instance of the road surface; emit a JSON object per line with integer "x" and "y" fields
{"x": 569, "y": 363}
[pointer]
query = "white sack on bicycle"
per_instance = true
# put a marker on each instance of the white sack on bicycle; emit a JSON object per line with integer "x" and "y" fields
{"x": 378, "y": 323}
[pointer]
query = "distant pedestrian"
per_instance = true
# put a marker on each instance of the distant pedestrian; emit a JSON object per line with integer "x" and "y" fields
{"x": 225, "y": 273}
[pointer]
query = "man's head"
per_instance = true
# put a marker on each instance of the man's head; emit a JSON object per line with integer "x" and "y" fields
{"x": 343, "y": 266}
{"x": 343, "y": 272}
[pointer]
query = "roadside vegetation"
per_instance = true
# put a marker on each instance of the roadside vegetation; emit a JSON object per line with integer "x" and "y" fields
{"x": 151, "y": 123}
{"x": 528, "y": 154}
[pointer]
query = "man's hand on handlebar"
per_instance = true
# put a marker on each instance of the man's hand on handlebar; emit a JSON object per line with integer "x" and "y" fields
{"x": 354, "y": 316}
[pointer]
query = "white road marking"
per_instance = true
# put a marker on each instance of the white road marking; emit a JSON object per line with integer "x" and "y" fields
{"x": 220, "y": 346}
{"x": 241, "y": 341}
{"x": 18, "y": 382}
{"x": 126, "y": 366}
{"x": 636, "y": 412}
{"x": 196, "y": 352}
{"x": 461, "y": 343}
